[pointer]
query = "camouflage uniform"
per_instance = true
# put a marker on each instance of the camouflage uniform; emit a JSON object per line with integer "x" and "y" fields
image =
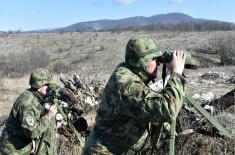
{"x": 27, "y": 120}
{"x": 128, "y": 105}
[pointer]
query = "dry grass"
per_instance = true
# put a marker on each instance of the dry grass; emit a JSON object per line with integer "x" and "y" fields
{"x": 19, "y": 64}
{"x": 88, "y": 51}
{"x": 199, "y": 144}
{"x": 91, "y": 54}
{"x": 95, "y": 55}
{"x": 225, "y": 45}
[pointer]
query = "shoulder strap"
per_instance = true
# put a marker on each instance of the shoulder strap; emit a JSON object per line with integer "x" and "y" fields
{"x": 36, "y": 94}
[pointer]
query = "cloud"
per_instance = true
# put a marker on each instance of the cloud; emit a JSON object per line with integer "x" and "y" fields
{"x": 175, "y": 1}
{"x": 124, "y": 2}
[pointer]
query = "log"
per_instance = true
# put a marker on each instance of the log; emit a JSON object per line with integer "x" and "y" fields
{"x": 67, "y": 82}
{"x": 223, "y": 102}
{"x": 78, "y": 82}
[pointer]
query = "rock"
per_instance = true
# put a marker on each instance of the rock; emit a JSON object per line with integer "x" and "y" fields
{"x": 231, "y": 80}
{"x": 208, "y": 82}
{"x": 214, "y": 76}
{"x": 204, "y": 97}
{"x": 192, "y": 82}
{"x": 210, "y": 108}
{"x": 208, "y": 97}
{"x": 196, "y": 96}
{"x": 100, "y": 48}
{"x": 89, "y": 101}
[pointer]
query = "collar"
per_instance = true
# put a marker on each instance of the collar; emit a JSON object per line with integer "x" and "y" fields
{"x": 36, "y": 94}
{"x": 145, "y": 77}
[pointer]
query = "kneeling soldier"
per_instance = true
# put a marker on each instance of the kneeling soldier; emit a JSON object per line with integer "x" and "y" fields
{"x": 28, "y": 120}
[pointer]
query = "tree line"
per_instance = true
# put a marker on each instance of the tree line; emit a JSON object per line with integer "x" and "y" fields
{"x": 183, "y": 26}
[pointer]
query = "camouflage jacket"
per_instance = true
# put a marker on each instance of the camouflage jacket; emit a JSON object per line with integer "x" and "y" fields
{"x": 127, "y": 107}
{"x": 26, "y": 122}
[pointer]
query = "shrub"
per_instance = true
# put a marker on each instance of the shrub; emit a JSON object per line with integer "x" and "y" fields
{"x": 61, "y": 67}
{"x": 225, "y": 45}
{"x": 18, "y": 64}
{"x": 100, "y": 48}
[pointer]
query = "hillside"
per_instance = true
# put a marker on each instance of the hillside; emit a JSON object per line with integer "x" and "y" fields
{"x": 105, "y": 25}
{"x": 137, "y": 21}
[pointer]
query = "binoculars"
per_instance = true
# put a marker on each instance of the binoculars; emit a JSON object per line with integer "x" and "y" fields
{"x": 168, "y": 56}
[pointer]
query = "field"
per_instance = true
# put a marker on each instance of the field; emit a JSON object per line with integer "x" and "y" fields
{"x": 94, "y": 55}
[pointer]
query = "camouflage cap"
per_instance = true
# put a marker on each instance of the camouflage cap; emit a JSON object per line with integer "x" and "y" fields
{"x": 140, "y": 51}
{"x": 40, "y": 77}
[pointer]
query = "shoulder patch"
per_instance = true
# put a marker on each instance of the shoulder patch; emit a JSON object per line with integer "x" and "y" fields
{"x": 30, "y": 120}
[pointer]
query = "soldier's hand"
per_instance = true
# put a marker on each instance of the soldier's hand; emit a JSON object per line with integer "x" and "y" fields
{"x": 177, "y": 64}
{"x": 52, "y": 111}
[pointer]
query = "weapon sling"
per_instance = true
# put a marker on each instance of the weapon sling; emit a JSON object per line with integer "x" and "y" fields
{"x": 201, "y": 110}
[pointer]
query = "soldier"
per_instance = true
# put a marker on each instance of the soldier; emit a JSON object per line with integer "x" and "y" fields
{"x": 28, "y": 120}
{"x": 128, "y": 105}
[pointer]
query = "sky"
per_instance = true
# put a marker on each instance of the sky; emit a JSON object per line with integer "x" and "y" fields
{"x": 27, "y": 15}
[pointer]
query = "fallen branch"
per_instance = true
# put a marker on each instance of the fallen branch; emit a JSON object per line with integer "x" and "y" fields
{"x": 222, "y": 102}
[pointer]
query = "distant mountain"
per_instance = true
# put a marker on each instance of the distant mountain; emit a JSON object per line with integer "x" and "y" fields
{"x": 46, "y": 30}
{"x": 106, "y": 24}
{"x": 2, "y": 32}
{"x": 138, "y": 21}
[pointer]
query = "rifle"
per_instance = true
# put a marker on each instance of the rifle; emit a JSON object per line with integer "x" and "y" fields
{"x": 55, "y": 94}
{"x": 222, "y": 131}
{"x": 166, "y": 58}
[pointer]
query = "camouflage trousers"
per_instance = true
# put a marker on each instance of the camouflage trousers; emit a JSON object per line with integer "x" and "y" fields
{"x": 12, "y": 145}
{"x": 95, "y": 147}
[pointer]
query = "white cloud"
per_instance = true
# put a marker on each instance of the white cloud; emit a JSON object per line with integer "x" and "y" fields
{"x": 176, "y": 1}
{"x": 124, "y": 2}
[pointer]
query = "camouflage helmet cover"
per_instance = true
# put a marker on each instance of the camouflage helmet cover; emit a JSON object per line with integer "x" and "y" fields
{"x": 140, "y": 51}
{"x": 40, "y": 77}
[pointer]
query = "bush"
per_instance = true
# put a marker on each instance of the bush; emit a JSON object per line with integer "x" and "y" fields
{"x": 18, "y": 64}
{"x": 99, "y": 48}
{"x": 61, "y": 67}
{"x": 225, "y": 45}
